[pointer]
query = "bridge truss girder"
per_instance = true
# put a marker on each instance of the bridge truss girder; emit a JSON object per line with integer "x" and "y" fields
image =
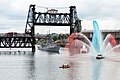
{"x": 15, "y": 42}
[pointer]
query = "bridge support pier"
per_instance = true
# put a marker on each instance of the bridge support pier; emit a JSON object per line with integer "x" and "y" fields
{"x": 33, "y": 48}
{"x": 33, "y": 44}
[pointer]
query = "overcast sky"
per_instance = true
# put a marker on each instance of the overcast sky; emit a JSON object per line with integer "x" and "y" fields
{"x": 13, "y": 14}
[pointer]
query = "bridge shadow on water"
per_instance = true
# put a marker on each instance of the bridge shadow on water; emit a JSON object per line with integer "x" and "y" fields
{"x": 17, "y": 53}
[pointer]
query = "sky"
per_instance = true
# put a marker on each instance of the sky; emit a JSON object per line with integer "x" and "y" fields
{"x": 13, "y": 14}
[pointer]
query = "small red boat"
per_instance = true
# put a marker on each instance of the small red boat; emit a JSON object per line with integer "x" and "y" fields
{"x": 99, "y": 56}
{"x": 65, "y": 66}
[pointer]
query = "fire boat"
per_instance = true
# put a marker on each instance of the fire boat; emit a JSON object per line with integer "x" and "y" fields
{"x": 100, "y": 56}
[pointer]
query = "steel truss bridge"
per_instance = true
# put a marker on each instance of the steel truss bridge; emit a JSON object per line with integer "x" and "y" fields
{"x": 35, "y": 18}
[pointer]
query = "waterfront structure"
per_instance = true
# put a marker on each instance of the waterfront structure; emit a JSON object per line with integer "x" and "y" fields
{"x": 115, "y": 33}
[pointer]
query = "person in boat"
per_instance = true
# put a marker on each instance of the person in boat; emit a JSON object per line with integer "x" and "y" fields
{"x": 65, "y": 66}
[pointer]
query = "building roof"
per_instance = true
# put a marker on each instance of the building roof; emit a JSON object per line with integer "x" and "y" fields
{"x": 52, "y": 10}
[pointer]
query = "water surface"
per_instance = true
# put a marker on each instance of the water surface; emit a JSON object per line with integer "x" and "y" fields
{"x": 43, "y": 65}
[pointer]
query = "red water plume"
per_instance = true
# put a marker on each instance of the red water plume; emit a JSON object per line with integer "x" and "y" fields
{"x": 112, "y": 40}
{"x": 70, "y": 40}
{"x": 74, "y": 43}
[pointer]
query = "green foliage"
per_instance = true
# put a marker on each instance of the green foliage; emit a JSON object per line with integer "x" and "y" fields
{"x": 55, "y": 38}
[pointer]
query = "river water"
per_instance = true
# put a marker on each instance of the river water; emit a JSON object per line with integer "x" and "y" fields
{"x": 23, "y": 65}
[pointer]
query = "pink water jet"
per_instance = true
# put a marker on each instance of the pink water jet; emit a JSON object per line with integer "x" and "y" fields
{"x": 76, "y": 45}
